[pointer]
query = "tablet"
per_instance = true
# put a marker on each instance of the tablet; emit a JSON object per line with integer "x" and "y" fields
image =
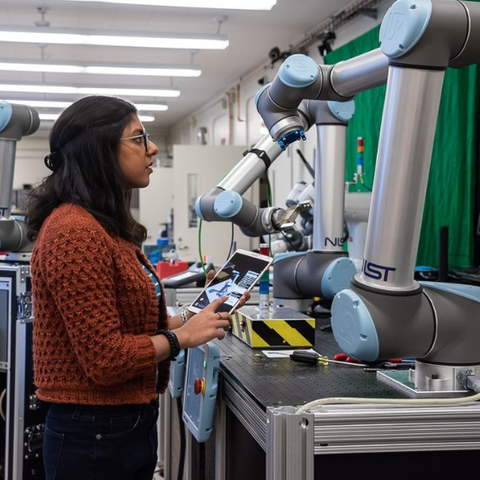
{"x": 242, "y": 270}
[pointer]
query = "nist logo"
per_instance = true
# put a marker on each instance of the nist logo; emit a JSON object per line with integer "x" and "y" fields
{"x": 336, "y": 242}
{"x": 377, "y": 272}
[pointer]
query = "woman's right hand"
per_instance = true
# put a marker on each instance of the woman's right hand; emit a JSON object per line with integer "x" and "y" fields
{"x": 204, "y": 326}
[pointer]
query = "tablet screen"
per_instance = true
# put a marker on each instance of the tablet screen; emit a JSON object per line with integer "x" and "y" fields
{"x": 239, "y": 274}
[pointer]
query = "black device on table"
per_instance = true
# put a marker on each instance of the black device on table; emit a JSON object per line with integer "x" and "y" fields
{"x": 194, "y": 275}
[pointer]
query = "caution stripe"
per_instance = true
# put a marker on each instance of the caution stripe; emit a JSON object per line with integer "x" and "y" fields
{"x": 274, "y": 332}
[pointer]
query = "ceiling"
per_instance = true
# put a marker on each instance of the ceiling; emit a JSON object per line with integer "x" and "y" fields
{"x": 251, "y": 35}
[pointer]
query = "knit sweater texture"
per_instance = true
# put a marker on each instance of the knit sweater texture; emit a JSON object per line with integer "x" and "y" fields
{"x": 95, "y": 309}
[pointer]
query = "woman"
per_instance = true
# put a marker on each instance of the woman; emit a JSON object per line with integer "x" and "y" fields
{"x": 102, "y": 338}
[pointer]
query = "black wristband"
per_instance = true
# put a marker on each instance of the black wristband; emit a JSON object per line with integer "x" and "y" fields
{"x": 173, "y": 341}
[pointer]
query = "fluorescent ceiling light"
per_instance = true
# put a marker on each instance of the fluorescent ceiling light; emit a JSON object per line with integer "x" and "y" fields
{"x": 117, "y": 39}
{"x": 144, "y": 107}
{"x": 48, "y": 116}
{"x": 106, "y": 69}
{"x": 150, "y": 107}
{"x": 218, "y": 4}
{"x": 146, "y": 118}
{"x": 54, "y": 116}
{"x": 66, "y": 90}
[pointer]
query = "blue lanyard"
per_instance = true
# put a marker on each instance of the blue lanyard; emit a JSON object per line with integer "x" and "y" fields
{"x": 155, "y": 281}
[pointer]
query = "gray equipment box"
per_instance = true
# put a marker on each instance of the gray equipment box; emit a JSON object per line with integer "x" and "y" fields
{"x": 21, "y": 444}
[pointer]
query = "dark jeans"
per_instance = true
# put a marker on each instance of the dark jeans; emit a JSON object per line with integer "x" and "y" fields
{"x": 100, "y": 443}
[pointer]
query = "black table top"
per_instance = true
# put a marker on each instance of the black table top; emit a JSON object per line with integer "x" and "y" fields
{"x": 274, "y": 382}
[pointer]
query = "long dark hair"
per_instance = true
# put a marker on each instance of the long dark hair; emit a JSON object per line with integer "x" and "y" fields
{"x": 83, "y": 145}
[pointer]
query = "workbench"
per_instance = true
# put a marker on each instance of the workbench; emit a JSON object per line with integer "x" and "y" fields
{"x": 259, "y": 436}
{"x": 263, "y": 438}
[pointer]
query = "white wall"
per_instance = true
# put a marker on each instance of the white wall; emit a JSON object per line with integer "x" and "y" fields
{"x": 29, "y": 166}
{"x": 156, "y": 201}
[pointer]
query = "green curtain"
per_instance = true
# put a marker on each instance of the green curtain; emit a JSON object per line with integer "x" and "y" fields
{"x": 450, "y": 199}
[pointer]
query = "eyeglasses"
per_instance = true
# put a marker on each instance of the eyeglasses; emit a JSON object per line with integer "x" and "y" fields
{"x": 143, "y": 135}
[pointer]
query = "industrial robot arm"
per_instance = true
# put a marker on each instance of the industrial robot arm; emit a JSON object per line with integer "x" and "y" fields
{"x": 290, "y": 105}
{"x": 302, "y": 89}
{"x": 386, "y": 313}
{"x": 225, "y": 201}
{"x": 303, "y": 276}
{"x": 16, "y": 121}
{"x": 301, "y": 78}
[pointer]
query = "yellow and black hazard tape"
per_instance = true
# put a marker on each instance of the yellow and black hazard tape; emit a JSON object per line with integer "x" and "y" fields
{"x": 262, "y": 333}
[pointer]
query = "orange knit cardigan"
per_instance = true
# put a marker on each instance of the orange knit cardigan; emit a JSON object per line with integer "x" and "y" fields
{"x": 95, "y": 309}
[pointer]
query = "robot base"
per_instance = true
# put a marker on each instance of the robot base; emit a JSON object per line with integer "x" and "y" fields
{"x": 430, "y": 381}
